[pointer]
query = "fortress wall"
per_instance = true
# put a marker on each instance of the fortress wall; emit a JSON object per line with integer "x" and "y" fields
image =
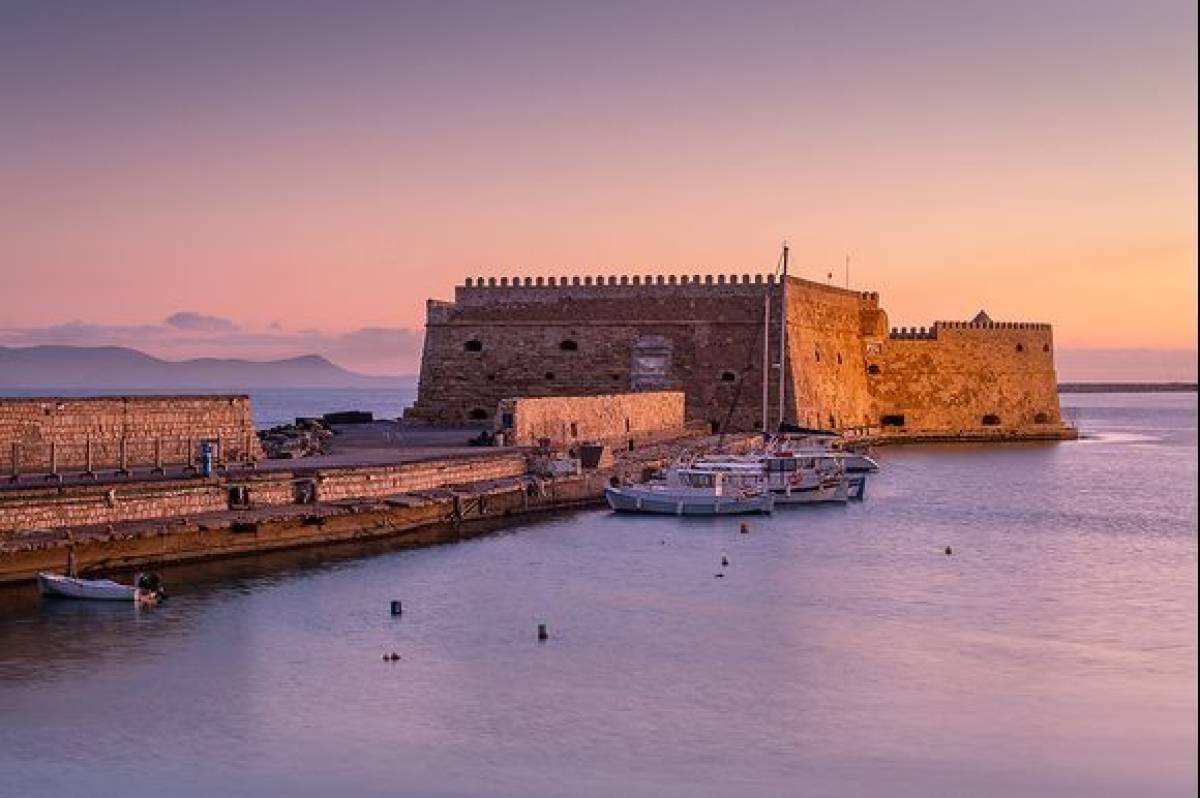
{"x": 567, "y": 420}
{"x": 703, "y": 336}
{"x": 499, "y": 342}
{"x": 69, "y": 422}
{"x": 947, "y": 379}
{"x": 828, "y": 337}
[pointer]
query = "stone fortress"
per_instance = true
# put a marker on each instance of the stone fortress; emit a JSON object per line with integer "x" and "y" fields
{"x": 844, "y": 369}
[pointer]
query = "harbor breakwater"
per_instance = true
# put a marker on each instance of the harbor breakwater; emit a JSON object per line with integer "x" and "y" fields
{"x": 147, "y": 523}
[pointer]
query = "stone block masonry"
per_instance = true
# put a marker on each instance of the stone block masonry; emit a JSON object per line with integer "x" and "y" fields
{"x": 49, "y": 508}
{"x": 569, "y": 420}
{"x": 704, "y": 336}
{"x": 368, "y": 482}
{"x": 23, "y": 509}
{"x": 111, "y": 430}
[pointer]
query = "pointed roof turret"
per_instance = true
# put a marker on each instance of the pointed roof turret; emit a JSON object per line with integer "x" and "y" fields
{"x": 982, "y": 318}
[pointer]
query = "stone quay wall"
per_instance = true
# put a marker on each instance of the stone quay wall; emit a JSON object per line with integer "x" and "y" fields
{"x": 704, "y": 336}
{"x": 609, "y": 418}
{"x": 42, "y": 434}
{"x": 367, "y": 482}
{"x": 23, "y": 509}
{"x": 50, "y": 508}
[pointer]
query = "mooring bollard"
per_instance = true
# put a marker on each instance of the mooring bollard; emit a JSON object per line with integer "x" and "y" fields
{"x": 397, "y": 607}
{"x": 543, "y": 634}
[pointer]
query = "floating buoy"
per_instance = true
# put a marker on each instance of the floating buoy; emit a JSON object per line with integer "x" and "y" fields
{"x": 745, "y": 528}
{"x": 393, "y": 657}
{"x": 543, "y": 634}
{"x": 719, "y": 576}
{"x": 724, "y": 560}
{"x": 949, "y": 551}
{"x": 397, "y": 607}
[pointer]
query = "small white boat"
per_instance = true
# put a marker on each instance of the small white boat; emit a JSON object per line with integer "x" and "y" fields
{"x": 856, "y": 461}
{"x": 811, "y": 479}
{"x": 693, "y": 491}
{"x": 98, "y": 589}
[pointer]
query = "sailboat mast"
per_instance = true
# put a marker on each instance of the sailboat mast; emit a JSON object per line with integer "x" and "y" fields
{"x": 766, "y": 363}
{"x": 783, "y": 334}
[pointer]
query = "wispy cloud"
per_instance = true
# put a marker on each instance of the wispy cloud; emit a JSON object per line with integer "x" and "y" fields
{"x": 187, "y": 334}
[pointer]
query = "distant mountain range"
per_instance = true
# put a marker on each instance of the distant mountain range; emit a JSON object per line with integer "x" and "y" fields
{"x": 111, "y": 367}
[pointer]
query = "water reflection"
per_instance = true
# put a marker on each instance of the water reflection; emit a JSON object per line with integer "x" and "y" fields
{"x": 842, "y": 653}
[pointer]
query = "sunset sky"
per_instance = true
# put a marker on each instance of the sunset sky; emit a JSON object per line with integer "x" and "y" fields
{"x": 264, "y": 179}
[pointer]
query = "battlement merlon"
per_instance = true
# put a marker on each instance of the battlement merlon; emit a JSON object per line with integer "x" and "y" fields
{"x": 487, "y": 290}
{"x": 931, "y": 333}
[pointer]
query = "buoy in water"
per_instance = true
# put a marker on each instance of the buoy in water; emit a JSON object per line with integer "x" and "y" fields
{"x": 949, "y": 551}
{"x": 543, "y": 634}
{"x": 744, "y": 529}
{"x": 393, "y": 657}
{"x": 397, "y": 607}
{"x": 724, "y": 560}
{"x": 719, "y": 576}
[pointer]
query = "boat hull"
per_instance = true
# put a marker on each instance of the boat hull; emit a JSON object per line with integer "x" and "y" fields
{"x": 639, "y": 500}
{"x": 839, "y": 492}
{"x": 87, "y": 589}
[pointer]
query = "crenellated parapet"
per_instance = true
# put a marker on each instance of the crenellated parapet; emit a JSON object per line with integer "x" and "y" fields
{"x": 652, "y": 281}
{"x": 913, "y": 333}
{"x": 931, "y": 333}
{"x": 992, "y": 325}
{"x": 600, "y": 280}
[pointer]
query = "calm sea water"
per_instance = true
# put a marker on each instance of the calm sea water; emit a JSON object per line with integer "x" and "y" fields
{"x": 843, "y": 653}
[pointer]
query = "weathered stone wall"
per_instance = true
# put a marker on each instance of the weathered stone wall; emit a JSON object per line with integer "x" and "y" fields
{"x": 948, "y": 379}
{"x": 177, "y": 423}
{"x": 704, "y": 336}
{"x": 566, "y": 420}
{"x": 106, "y": 504}
{"x": 83, "y": 505}
{"x": 367, "y": 482}
{"x": 830, "y": 332}
{"x": 596, "y": 336}
{"x": 114, "y": 503}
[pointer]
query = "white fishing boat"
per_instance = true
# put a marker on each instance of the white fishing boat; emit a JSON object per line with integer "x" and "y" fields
{"x": 694, "y": 491}
{"x": 856, "y": 462}
{"x": 812, "y": 479}
{"x": 72, "y": 587}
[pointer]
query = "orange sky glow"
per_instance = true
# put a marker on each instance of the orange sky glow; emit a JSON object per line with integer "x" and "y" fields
{"x": 325, "y": 171}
